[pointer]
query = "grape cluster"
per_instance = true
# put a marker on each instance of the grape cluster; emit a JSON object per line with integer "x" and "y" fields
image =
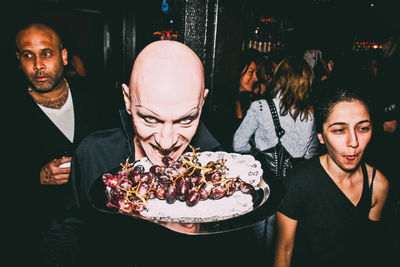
{"x": 184, "y": 180}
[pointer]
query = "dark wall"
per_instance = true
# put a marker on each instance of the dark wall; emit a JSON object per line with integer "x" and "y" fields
{"x": 109, "y": 34}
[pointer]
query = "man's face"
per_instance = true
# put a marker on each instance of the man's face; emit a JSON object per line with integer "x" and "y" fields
{"x": 41, "y": 58}
{"x": 166, "y": 107}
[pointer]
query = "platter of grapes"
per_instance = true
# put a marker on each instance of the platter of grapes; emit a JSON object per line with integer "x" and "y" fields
{"x": 199, "y": 187}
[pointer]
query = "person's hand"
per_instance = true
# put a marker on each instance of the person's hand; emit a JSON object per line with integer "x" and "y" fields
{"x": 186, "y": 228}
{"x": 56, "y": 172}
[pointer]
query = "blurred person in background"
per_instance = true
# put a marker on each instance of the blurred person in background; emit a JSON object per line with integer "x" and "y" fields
{"x": 249, "y": 88}
{"x": 292, "y": 83}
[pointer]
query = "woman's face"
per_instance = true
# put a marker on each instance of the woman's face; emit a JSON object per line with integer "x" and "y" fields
{"x": 249, "y": 77}
{"x": 346, "y": 133}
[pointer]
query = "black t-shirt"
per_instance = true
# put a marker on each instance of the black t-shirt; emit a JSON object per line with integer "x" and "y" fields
{"x": 330, "y": 229}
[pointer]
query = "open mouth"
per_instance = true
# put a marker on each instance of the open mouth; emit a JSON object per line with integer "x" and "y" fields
{"x": 165, "y": 153}
{"x": 351, "y": 157}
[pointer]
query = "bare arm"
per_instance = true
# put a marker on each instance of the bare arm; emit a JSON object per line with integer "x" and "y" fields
{"x": 239, "y": 113}
{"x": 379, "y": 195}
{"x": 286, "y": 230}
{"x": 249, "y": 125}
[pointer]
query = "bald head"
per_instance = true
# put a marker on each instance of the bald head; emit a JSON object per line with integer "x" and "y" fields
{"x": 167, "y": 67}
{"x": 165, "y": 96}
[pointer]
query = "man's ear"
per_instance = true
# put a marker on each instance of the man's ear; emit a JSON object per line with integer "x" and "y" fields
{"x": 321, "y": 139}
{"x": 127, "y": 98}
{"x": 64, "y": 55}
{"x": 205, "y": 94}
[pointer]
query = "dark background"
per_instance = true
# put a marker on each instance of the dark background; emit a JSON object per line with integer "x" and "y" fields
{"x": 109, "y": 34}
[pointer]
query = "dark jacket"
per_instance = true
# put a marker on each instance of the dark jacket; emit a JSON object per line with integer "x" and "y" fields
{"x": 37, "y": 140}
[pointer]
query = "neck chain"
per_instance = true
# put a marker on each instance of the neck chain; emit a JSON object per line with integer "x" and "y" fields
{"x": 54, "y": 104}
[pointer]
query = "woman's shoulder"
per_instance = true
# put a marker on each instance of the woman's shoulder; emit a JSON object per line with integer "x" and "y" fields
{"x": 259, "y": 105}
{"x": 380, "y": 183}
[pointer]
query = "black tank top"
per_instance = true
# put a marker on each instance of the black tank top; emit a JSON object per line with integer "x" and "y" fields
{"x": 364, "y": 205}
{"x": 331, "y": 230}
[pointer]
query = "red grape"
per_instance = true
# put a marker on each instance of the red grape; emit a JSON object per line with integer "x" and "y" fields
{"x": 116, "y": 195}
{"x": 171, "y": 194}
{"x": 122, "y": 173}
{"x": 134, "y": 177}
{"x": 137, "y": 205}
{"x": 217, "y": 192}
{"x": 230, "y": 188}
{"x": 171, "y": 171}
{"x": 193, "y": 198}
{"x": 125, "y": 206}
{"x": 195, "y": 181}
{"x": 142, "y": 190}
{"x": 167, "y": 161}
{"x": 161, "y": 191}
{"x": 214, "y": 177}
{"x": 110, "y": 180}
{"x": 146, "y": 177}
{"x": 125, "y": 183}
{"x": 247, "y": 188}
{"x": 155, "y": 170}
{"x": 164, "y": 179}
{"x": 183, "y": 188}
{"x": 138, "y": 169}
{"x": 203, "y": 194}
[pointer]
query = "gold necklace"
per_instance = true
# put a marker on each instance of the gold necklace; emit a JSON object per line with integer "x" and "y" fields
{"x": 54, "y": 104}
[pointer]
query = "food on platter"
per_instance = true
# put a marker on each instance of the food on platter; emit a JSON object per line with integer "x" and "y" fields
{"x": 194, "y": 187}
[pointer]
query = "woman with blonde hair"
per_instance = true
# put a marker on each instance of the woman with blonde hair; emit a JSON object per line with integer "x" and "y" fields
{"x": 291, "y": 95}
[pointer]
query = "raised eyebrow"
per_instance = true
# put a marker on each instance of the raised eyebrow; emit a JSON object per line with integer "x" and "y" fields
{"x": 189, "y": 115}
{"x": 140, "y": 106}
{"x": 144, "y": 116}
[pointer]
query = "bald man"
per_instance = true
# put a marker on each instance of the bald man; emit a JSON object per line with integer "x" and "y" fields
{"x": 163, "y": 105}
{"x": 165, "y": 96}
